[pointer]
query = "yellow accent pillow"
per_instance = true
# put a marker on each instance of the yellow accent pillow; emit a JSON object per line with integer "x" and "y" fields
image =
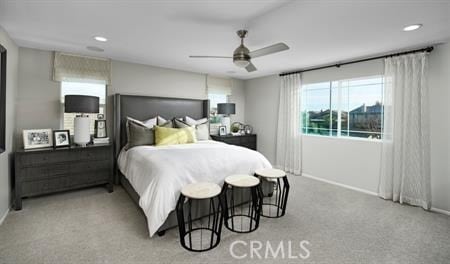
{"x": 172, "y": 136}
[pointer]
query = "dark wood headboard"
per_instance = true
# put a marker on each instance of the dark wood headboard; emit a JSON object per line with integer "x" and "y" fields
{"x": 145, "y": 107}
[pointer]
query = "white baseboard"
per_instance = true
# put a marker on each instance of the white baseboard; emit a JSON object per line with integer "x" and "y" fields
{"x": 433, "y": 209}
{"x": 441, "y": 211}
{"x": 4, "y": 216}
{"x": 339, "y": 184}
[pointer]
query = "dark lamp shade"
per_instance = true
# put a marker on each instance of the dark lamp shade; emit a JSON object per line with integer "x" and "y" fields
{"x": 226, "y": 109}
{"x": 81, "y": 104}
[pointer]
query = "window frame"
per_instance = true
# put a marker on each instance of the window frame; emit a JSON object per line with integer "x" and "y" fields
{"x": 62, "y": 115}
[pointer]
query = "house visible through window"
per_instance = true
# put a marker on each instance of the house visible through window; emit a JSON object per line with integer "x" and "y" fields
{"x": 82, "y": 88}
{"x": 345, "y": 108}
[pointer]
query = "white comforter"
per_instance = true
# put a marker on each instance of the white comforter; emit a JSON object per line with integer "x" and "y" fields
{"x": 159, "y": 173}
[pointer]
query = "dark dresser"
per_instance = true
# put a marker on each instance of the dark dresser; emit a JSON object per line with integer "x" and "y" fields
{"x": 44, "y": 171}
{"x": 248, "y": 141}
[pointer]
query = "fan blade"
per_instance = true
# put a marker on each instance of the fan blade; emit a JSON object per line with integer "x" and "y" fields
{"x": 210, "y": 57}
{"x": 269, "y": 50}
{"x": 250, "y": 67}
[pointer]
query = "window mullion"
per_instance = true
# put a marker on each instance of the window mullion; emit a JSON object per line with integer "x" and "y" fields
{"x": 339, "y": 108}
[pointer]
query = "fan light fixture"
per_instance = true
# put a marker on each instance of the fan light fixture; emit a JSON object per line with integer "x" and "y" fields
{"x": 412, "y": 27}
{"x": 100, "y": 38}
{"x": 241, "y": 63}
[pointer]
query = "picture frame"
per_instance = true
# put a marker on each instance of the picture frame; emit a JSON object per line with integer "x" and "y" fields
{"x": 61, "y": 138}
{"x": 100, "y": 129}
{"x": 37, "y": 138}
{"x": 222, "y": 130}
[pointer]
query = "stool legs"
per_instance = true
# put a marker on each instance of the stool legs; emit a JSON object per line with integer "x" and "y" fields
{"x": 242, "y": 213}
{"x": 274, "y": 204}
{"x": 201, "y": 238}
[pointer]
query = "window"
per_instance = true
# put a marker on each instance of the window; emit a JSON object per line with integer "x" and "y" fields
{"x": 344, "y": 108}
{"x": 82, "y": 88}
{"x": 214, "y": 99}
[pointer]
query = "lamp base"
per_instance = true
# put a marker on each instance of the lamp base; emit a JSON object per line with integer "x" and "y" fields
{"x": 226, "y": 121}
{"x": 81, "y": 129}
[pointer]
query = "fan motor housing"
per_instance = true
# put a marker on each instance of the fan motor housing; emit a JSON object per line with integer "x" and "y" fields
{"x": 241, "y": 54}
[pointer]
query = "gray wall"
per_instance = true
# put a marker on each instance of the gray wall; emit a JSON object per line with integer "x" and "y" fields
{"x": 439, "y": 82}
{"x": 38, "y": 98}
{"x": 354, "y": 162}
{"x": 11, "y": 91}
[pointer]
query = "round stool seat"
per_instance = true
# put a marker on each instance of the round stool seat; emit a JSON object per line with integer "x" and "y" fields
{"x": 242, "y": 180}
{"x": 201, "y": 190}
{"x": 270, "y": 173}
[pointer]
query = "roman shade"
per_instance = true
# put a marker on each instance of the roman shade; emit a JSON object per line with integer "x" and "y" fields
{"x": 70, "y": 67}
{"x": 216, "y": 85}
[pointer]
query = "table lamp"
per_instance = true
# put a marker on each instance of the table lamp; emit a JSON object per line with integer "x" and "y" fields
{"x": 226, "y": 109}
{"x": 83, "y": 105}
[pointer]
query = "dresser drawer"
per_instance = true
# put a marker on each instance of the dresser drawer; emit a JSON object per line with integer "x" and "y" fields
{"x": 90, "y": 166}
{"x": 89, "y": 178}
{"x": 39, "y": 172}
{"x": 33, "y": 159}
{"x": 30, "y": 188}
{"x": 94, "y": 154}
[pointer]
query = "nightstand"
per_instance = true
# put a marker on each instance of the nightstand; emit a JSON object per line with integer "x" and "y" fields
{"x": 45, "y": 171}
{"x": 248, "y": 141}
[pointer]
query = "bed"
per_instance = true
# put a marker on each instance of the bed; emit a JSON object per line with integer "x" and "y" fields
{"x": 153, "y": 176}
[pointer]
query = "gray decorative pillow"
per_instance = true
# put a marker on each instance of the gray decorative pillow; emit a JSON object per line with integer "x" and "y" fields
{"x": 139, "y": 135}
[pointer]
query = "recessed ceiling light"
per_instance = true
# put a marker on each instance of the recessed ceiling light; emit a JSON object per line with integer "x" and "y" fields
{"x": 100, "y": 38}
{"x": 94, "y": 48}
{"x": 412, "y": 27}
{"x": 231, "y": 72}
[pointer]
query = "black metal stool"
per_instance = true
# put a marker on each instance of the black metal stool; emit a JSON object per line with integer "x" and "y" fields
{"x": 274, "y": 202}
{"x": 242, "y": 203}
{"x": 199, "y": 236}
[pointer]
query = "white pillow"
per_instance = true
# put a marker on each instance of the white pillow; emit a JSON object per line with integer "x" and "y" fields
{"x": 191, "y": 121}
{"x": 161, "y": 120}
{"x": 201, "y": 127}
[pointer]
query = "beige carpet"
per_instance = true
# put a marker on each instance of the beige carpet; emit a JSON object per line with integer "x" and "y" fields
{"x": 341, "y": 226}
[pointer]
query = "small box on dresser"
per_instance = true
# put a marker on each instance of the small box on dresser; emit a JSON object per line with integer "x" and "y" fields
{"x": 45, "y": 171}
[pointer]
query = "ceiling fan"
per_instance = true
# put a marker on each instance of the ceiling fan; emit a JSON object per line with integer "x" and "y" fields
{"x": 242, "y": 55}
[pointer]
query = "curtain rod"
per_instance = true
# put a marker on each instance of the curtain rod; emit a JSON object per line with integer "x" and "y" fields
{"x": 427, "y": 49}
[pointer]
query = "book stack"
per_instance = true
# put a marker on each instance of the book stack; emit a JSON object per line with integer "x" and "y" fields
{"x": 100, "y": 140}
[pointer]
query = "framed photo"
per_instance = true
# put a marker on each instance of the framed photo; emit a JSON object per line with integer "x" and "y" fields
{"x": 100, "y": 129}
{"x": 222, "y": 131}
{"x": 61, "y": 138}
{"x": 37, "y": 138}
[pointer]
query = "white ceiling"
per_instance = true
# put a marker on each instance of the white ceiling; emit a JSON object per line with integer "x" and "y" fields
{"x": 165, "y": 33}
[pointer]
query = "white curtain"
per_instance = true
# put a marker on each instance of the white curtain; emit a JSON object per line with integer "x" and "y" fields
{"x": 405, "y": 161}
{"x": 289, "y": 139}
